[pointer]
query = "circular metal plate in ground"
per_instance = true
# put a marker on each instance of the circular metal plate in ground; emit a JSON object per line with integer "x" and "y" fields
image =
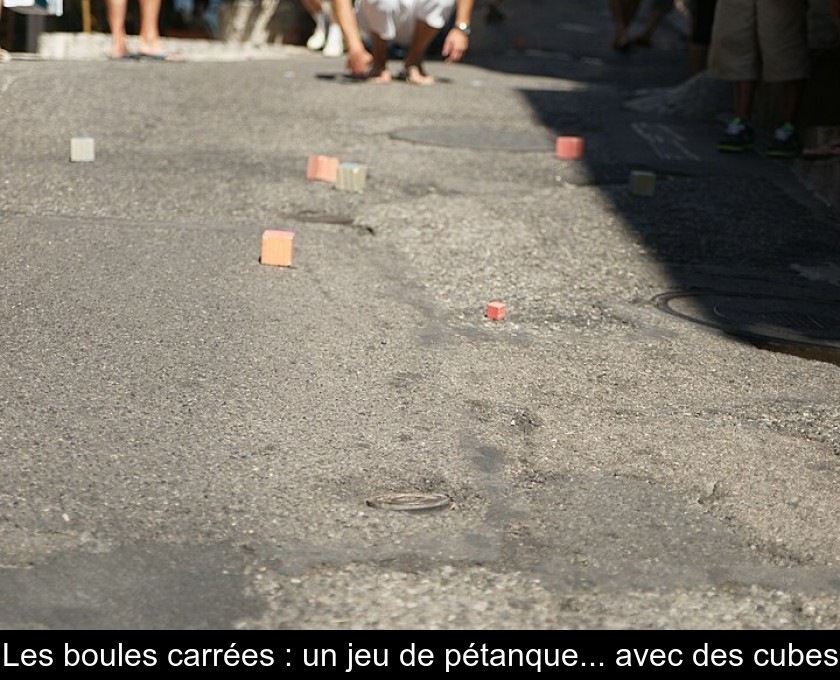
{"x": 480, "y": 138}
{"x": 410, "y": 501}
{"x": 791, "y": 321}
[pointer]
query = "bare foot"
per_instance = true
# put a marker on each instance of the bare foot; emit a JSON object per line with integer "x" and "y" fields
{"x": 380, "y": 76}
{"x": 161, "y": 56}
{"x": 415, "y": 75}
{"x": 621, "y": 42}
{"x": 119, "y": 50}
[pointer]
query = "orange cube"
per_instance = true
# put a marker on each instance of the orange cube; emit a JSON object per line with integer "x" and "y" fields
{"x": 277, "y": 248}
{"x": 322, "y": 168}
{"x": 496, "y": 310}
{"x": 569, "y": 148}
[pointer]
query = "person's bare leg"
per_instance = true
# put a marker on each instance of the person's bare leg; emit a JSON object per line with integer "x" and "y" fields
{"x": 149, "y": 37}
{"x": 789, "y": 101}
{"x": 744, "y": 93}
{"x": 654, "y": 19}
{"x": 623, "y": 13}
{"x": 379, "y": 72}
{"x": 149, "y": 30}
{"x": 835, "y": 12}
{"x": 420, "y": 41}
{"x": 698, "y": 57}
{"x": 117, "y": 10}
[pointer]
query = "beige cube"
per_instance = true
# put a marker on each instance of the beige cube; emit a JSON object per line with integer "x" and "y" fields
{"x": 277, "y": 248}
{"x": 322, "y": 168}
{"x": 351, "y": 177}
{"x": 81, "y": 149}
{"x": 642, "y": 183}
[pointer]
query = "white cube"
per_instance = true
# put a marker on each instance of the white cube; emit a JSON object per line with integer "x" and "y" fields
{"x": 642, "y": 183}
{"x": 81, "y": 149}
{"x": 351, "y": 177}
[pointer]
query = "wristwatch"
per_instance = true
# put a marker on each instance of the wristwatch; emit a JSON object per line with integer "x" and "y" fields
{"x": 464, "y": 28}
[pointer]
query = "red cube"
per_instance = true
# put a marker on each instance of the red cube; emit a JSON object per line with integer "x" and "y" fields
{"x": 496, "y": 310}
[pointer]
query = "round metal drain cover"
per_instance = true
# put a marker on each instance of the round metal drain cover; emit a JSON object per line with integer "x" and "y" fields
{"x": 410, "y": 501}
{"x": 480, "y": 138}
{"x": 763, "y": 317}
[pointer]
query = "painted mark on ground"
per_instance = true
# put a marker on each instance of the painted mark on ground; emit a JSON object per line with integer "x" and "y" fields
{"x": 667, "y": 143}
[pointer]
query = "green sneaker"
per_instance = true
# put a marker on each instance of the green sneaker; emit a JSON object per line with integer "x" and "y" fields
{"x": 785, "y": 142}
{"x": 738, "y": 136}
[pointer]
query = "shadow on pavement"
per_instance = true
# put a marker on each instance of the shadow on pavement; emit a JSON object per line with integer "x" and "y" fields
{"x": 751, "y": 252}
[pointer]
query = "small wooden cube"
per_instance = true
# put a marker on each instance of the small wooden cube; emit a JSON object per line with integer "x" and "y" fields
{"x": 81, "y": 149}
{"x": 642, "y": 183}
{"x": 569, "y": 148}
{"x": 322, "y": 168}
{"x": 351, "y": 177}
{"x": 277, "y": 248}
{"x": 496, "y": 310}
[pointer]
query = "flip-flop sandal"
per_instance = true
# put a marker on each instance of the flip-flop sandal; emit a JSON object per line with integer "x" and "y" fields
{"x": 817, "y": 153}
{"x": 160, "y": 56}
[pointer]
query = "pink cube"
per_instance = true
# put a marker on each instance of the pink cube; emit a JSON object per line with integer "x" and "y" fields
{"x": 569, "y": 148}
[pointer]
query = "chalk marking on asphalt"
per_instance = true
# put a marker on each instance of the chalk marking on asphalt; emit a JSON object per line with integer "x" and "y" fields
{"x": 666, "y": 143}
{"x": 829, "y": 273}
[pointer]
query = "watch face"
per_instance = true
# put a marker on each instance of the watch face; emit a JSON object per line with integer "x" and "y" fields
{"x": 464, "y": 28}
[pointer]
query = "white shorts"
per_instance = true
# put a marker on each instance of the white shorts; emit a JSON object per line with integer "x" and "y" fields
{"x": 394, "y": 20}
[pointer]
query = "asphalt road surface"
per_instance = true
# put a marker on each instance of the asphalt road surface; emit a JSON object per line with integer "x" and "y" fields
{"x": 189, "y": 438}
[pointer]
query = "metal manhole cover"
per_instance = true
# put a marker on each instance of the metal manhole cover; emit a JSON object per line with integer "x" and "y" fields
{"x": 765, "y": 317}
{"x": 481, "y": 138}
{"x": 410, "y": 501}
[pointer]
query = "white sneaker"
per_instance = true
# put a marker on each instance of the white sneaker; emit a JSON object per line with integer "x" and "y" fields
{"x": 334, "y": 46}
{"x": 319, "y": 35}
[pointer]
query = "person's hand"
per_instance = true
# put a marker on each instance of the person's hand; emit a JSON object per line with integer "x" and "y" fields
{"x": 359, "y": 61}
{"x": 455, "y": 46}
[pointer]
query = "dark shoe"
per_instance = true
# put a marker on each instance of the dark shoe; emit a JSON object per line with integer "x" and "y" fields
{"x": 785, "y": 142}
{"x": 737, "y": 137}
